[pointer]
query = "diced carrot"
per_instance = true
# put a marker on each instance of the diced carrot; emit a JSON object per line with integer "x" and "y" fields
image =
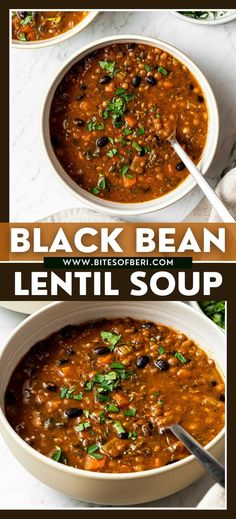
{"x": 128, "y": 182}
{"x": 121, "y": 400}
{"x": 131, "y": 120}
{"x": 104, "y": 359}
{"x": 94, "y": 464}
{"x": 66, "y": 370}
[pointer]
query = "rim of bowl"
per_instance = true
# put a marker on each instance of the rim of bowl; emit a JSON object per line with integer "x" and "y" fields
{"x": 91, "y": 474}
{"x": 218, "y": 21}
{"x": 119, "y": 208}
{"x": 197, "y": 307}
{"x": 17, "y": 44}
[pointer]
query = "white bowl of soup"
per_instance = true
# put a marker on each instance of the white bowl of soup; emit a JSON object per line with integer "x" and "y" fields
{"x": 156, "y": 359}
{"x": 37, "y": 29}
{"x": 106, "y": 118}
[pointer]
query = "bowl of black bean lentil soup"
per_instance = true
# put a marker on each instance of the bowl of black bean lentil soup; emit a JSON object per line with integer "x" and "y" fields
{"x": 36, "y": 29}
{"x": 86, "y": 388}
{"x": 107, "y": 116}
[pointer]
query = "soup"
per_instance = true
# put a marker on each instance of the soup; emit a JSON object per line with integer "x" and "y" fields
{"x": 111, "y": 115}
{"x": 41, "y": 25}
{"x": 96, "y": 396}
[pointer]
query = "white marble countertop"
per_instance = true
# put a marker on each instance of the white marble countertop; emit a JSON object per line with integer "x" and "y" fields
{"x": 20, "y": 490}
{"x": 35, "y": 191}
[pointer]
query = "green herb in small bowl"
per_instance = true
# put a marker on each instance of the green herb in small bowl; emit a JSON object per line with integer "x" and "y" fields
{"x": 215, "y": 310}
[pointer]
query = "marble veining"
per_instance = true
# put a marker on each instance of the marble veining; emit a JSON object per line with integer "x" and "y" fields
{"x": 34, "y": 190}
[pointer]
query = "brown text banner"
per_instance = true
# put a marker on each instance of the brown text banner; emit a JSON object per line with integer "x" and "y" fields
{"x": 201, "y": 242}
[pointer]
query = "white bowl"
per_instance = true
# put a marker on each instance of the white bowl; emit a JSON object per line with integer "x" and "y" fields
{"x": 107, "y": 488}
{"x": 196, "y": 306}
{"x": 57, "y": 39}
{"x": 122, "y": 209}
{"x": 229, "y": 16}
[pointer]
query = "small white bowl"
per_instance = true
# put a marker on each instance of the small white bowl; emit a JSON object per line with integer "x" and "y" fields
{"x": 57, "y": 39}
{"x": 122, "y": 209}
{"x": 229, "y": 16}
{"x": 108, "y": 488}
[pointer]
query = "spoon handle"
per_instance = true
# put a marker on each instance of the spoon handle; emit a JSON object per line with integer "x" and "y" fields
{"x": 203, "y": 184}
{"x": 215, "y": 469}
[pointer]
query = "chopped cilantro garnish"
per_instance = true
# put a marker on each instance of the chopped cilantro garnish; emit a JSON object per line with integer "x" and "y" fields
{"x": 100, "y": 185}
{"x": 89, "y": 385}
{"x": 92, "y": 125}
{"x": 117, "y": 365}
{"x": 180, "y": 357}
{"x": 147, "y": 68}
{"x": 67, "y": 392}
{"x": 124, "y": 169}
{"x": 161, "y": 402}
{"x": 140, "y": 130}
{"x": 82, "y": 426}
{"x": 133, "y": 435}
{"x": 119, "y": 428}
{"x": 112, "y": 408}
{"x": 161, "y": 350}
{"x": 109, "y": 66}
{"x": 127, "y": 131}
{"x": 22, "y": 37}
{"x": 111, "y": 153}
{"x": 130, "y": 412}
{"x": 111, "y": 338}
{"x": 92, "y": 451}
{"x": 59, "y": 456}
{"x": 136, "y": 146}
{"x": 163, "y": 71}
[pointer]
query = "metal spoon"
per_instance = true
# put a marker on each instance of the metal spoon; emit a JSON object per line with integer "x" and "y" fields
{"x": 215, "y": 469}
{"x": 201, "y": 181}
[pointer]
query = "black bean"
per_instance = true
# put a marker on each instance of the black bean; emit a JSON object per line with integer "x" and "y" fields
{"x": 136, "y": 81}
{"x": 79, "y": 98}
{"x": 222, "y": 398}
{"x": 22, "y": 14}
{"x": 200, "y": 99}
{"x": 163, "y": 365}
{"x": 10, "y": 397}
{"x": 70, "y": 351}
{"x": 213, "y": 383}
{"x": 103, "y": 350}
{"x": 151, "y": 80}
{"x": 105, "y": 79}
{"x": 131, "y": 46}
{"x": 54, "y": 141}
{"x": 78, "y": 122}
{"x": 150, "y": 425}
{"x": 141, "y": 153}
{"x": 51, "y": 387}
{"x": 124, "y": 435}
{"x": 147, "y": 324}
{"x": 180, "y": 166}
{"x": 102, "y": 141}
{"x": 62, "y": 361}
{"x": 191, "y": 86}
{"x": 73, "y": 412}
{"x": 66, "y": 331}
{"x": 142, "y": 361}
{"x": 83, "y": 86}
